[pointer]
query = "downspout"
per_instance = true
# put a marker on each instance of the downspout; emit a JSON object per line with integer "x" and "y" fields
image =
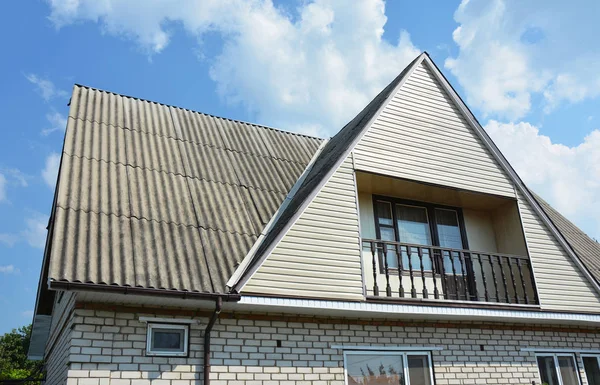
{"x": 211, "y": 323}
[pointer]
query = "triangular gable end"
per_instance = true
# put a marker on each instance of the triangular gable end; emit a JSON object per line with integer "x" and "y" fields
{"x": 430, "y": 136}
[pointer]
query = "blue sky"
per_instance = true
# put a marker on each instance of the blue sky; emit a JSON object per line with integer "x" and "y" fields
{"x": 307, "y": 66}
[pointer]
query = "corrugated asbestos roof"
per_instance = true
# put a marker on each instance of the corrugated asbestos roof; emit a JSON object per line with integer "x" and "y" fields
{"x": 585, "y": 247}
{"x": 155, "y": 196}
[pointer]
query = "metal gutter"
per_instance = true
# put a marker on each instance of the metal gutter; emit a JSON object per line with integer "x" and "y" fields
{"x": 94, "y": 287}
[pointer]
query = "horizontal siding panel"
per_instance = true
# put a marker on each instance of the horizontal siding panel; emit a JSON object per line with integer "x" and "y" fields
{"x": 421, "y": 135}
{"x": 572, "y": 291}
{"x": 305, "y": 257}
{"x": 319, "y": 256}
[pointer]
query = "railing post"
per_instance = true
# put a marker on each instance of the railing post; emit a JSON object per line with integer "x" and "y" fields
{"x": 375, "y": 287}
{"x": 388, "y": 288}
{"x": 413, "y": 291}
{"x": 400, "y": 270}
{"x": 453, "y": 273}
{"x": 503, "y": 279}
{"x": 494, "y": 277}
{"x": 514, "y": 282}
{"x": 420, "y": 251}
{"x": 485, "y": 288}
{"x": 461, "y": 259}
{"x": 436, "y": 293}
{"x": 522, "y": 281}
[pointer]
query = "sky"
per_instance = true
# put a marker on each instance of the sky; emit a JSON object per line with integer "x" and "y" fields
{"x": 528, "y": 70}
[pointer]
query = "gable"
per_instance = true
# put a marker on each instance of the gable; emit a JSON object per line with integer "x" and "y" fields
{"x": 423, "y": 132}
{"x": 421, "y": 135}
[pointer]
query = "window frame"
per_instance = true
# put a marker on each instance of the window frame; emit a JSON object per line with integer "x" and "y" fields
{"x": 431, "y": 218}
{"x": 430, "y": 208}
{"x": 583, "y": 355}
{"x": 164, "y": 325}
{"x": 404, "y": 357}
{"x": 556, "y": 365}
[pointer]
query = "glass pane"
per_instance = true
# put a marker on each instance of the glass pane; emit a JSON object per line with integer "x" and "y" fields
{"x": 568, "y": 372}
{"x": 374, "y": 369}
{"x": 384, "y": 213}
{"x": 547, "y": 370}
{"x": 448, "y": 229}
{"x": 592, "y": 370}
{"x": 168, "y": 340}
{"x": 387, "y": 234}
{"x": 413, "y": 225}
{"x": 418, "y": 370}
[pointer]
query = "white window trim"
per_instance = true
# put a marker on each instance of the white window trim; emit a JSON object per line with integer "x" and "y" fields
{"x": 153, "y": 326}
{"x": 556, "y": 366}
{"x": 391, "y": 352}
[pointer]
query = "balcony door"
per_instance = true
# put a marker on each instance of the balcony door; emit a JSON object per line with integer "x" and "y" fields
{"x": 416, "y": 224}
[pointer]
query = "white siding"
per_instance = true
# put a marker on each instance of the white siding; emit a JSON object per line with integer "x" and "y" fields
{"x": 319, "y": 256}
{"x": 422, "y": 136}
{"x": 560, "y": 283}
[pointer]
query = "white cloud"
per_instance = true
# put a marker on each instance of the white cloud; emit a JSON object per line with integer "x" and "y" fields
{"x": 46, "y": 88}
{"x": 50, "y": 171}
{"x": 9, "y": 269}
{"x": 35, "y": 232}
{"x": 310, "y": 71}
{"x": 510, "y": 51}
{"x": 567, "y": 177}
{"x": 8, "y": 239}
{"x": 58, "y": 122}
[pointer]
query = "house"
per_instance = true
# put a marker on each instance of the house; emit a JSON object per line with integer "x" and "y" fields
{"x": 185, "y": 248}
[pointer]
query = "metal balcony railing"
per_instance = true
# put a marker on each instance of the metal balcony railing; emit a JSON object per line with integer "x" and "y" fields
{"x": 401, "y": 270}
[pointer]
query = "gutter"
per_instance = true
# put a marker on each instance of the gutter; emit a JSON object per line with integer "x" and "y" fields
{"x": 94, "y": 287}
{"x": 209, "y": 326}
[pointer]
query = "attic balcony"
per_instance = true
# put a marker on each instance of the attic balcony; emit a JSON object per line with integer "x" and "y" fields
{"x": 430, "y": 243}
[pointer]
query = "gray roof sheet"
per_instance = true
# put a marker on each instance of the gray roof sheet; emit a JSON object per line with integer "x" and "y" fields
{"x": 160, "y": 197}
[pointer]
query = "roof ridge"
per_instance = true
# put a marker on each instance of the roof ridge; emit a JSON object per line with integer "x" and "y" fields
{"x": 199, "y": 112}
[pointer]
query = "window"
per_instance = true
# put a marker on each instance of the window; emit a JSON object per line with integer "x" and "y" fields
{"x": 388, "y": 368}
{"x": 591, "y": 364}
{"x": 557, "y": 369}
{"x": 419, "y": 223}
{"x": 167, "y": 340}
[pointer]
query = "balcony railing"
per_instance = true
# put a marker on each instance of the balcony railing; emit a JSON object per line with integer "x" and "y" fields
{"x": 401, "y": 270}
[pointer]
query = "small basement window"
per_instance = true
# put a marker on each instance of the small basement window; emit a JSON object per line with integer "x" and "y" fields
{"x": 167, "y": 340}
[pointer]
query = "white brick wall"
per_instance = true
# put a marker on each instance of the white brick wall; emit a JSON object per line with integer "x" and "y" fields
{"x": 109, "y": 348}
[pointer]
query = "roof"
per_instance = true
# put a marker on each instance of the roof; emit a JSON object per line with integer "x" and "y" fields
{"x": 587, "y": 249}
{"x": 160, "y": 197}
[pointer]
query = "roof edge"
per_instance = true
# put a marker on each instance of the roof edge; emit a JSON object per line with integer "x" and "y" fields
{"x": 244, "y": 278}
{"x": 94, "y": 287}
